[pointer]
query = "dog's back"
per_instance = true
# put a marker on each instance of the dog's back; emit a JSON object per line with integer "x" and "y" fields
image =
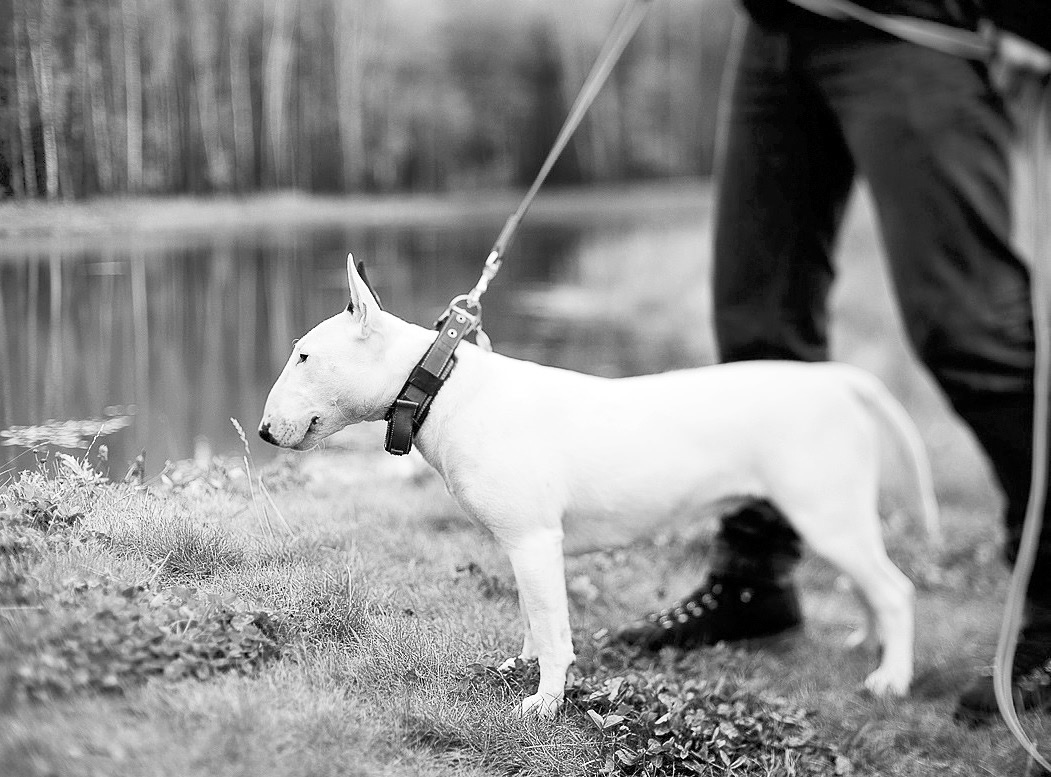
{"x": 672, "y": 445}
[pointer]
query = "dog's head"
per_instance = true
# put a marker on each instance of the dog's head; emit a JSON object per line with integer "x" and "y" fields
{"x": 334, "y": 377}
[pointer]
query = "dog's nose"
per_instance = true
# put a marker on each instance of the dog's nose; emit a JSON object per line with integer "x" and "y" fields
{"x": 264, "y": 432}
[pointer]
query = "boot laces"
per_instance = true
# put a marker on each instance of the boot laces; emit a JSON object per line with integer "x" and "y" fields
{"x": 685, "y": 610}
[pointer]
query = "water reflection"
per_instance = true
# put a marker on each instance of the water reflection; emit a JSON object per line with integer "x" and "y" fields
{"x": 192, "y": 332}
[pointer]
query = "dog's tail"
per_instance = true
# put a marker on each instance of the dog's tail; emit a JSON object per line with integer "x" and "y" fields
{"x": 907, "y": 438}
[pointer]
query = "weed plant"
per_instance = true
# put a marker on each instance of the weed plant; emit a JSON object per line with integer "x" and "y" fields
{"x": 71, "y": 627}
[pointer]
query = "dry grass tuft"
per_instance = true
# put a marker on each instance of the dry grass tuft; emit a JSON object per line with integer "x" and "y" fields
{"x": 181, "y": 548}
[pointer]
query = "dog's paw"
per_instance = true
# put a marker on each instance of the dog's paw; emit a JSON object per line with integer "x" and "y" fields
{"x": 516, "y": 662}
{"x": 862, "y": 639}
{"x": 888, "y": 683}
{"x": 541, "y": 705}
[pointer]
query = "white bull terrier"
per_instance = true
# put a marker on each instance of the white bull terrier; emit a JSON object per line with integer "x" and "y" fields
{"x": 546, "y": 458}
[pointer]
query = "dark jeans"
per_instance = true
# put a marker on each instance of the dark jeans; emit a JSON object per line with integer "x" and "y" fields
{"x": 812, "y": 106}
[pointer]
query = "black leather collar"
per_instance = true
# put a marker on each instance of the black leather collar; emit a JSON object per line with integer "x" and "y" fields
{"x": 407, "y": 414}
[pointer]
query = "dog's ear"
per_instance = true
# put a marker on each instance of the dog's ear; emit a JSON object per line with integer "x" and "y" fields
{"x": 368, "y": 285}
{"x": 363, "y": 303}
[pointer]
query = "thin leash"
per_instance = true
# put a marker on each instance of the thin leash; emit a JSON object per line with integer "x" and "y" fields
{"x": 463, "y": 316}
{"x": 628, "y": 21}
{"x": 1034, "y": 515}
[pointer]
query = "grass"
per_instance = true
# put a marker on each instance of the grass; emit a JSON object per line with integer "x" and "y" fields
{"x": 360, "y": 640}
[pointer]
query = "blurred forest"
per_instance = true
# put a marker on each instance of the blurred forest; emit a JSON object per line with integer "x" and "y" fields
{"x": 197, "y": 96}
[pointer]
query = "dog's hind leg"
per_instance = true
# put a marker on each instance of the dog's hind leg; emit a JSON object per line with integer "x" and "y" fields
{"x": 866, "y": 636}
{"x": 860, "y": 555}
{"x": 892, "y": 597}
{"x": 540, "y": 573}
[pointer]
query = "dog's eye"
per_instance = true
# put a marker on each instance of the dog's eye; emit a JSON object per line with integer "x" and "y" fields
{"x": 302, "y": 358}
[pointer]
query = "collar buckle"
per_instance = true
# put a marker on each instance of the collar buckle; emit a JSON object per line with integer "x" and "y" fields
{"x": 409, "y": 410}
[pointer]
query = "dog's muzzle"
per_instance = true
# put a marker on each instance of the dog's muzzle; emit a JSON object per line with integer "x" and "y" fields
{"x": 264, "y": 432}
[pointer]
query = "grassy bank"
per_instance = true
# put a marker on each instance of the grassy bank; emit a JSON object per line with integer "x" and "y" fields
{"x": 345, "y": 618}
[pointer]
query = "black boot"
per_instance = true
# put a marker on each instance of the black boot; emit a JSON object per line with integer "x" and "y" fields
{"x": 1003, "y": 425}
{"x": 748, "y": 592}
{"x": 1030, "y": 676}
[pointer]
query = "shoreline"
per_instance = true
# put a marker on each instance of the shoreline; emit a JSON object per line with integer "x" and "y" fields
{"x": 32, "y": 221}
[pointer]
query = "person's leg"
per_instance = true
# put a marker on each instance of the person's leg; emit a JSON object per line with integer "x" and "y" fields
{"x": 934, "y": 146}
{"x": 784, "y": 181}
{"x": 784, "y": 177}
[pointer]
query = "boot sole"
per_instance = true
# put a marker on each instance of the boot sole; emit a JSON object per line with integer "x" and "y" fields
{"x": 976, "y": 718}
{"x": 774, "y": 639}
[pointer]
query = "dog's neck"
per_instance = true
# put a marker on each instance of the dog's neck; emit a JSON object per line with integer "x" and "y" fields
{"x": 406, "y": 344}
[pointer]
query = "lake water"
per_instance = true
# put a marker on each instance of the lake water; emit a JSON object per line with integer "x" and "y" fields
{"x": 177, "y": 332}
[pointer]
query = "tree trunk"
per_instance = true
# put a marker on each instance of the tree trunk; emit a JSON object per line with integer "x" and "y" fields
{"x": 275, "y": 90}
{"x": 18, "y": 182}
{"x": 23, "y": 82}
{"x": 349, "y": 40}
{"x": 41, "y": 52}
{"x": 98, "y": 116}
{"x": 586, "y": 141}
{"x": 80, "y": 104}
{"x": 132, "y": 92}
{"x": 241, "y": 99}
{"x": 112, "y": 71}
{"x": 204, "y": 48}
{"x": 163, "y": 91}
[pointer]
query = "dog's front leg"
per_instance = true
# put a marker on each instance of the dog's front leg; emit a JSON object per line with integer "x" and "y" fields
{"x": 541, "y": 578}
{"x": 528, "y": 648}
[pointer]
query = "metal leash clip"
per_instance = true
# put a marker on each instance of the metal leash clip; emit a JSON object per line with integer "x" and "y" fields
{"x": 465, "y": 312}
{"x": 489, "y": 271}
